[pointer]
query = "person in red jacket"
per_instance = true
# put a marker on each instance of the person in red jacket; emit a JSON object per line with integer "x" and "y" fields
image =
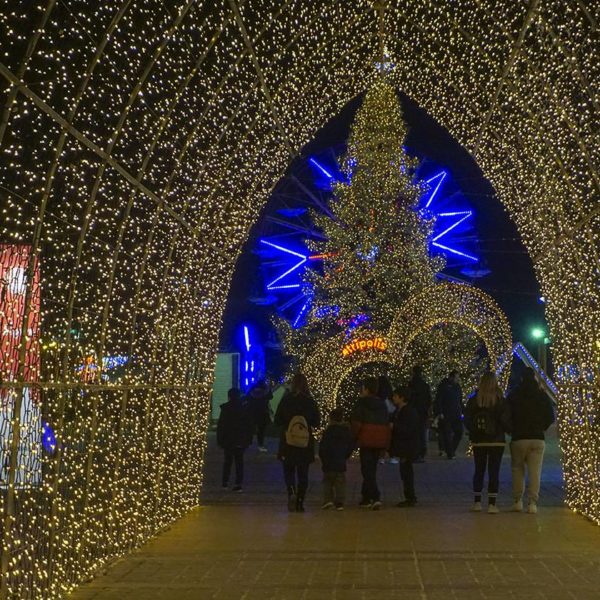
{"x": 370, "y": 424}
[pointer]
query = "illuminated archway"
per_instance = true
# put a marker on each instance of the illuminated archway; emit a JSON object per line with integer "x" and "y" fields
{"x": 142, "y": 140}
{"x": 330, "y": 362}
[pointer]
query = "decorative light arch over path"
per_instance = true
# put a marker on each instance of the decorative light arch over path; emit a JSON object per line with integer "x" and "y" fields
{"x": 141, "y": 140}
{"x": 446, "y": 302}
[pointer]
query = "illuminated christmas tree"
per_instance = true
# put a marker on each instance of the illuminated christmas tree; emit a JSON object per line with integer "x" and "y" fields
{"x": 376, "y": 252}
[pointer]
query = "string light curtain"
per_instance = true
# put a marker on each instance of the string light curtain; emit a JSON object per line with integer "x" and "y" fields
{"x": 140, "y": 140}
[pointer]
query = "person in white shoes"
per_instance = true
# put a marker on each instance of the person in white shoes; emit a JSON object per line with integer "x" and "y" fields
{"x": 487, "y": 419}
{"x": 531, "y": 414}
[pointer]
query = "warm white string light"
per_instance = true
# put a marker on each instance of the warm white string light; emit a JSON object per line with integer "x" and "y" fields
{"x": 139, "y": 148}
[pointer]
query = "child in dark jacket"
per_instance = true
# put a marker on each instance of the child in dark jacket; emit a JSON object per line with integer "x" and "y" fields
{"x": 406, "y": 442}
{"x": 235, "y": 429}
{"x": 335, "y": 448}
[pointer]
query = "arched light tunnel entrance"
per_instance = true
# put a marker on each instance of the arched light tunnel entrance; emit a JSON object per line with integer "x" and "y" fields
{"x": 141, "y": 141}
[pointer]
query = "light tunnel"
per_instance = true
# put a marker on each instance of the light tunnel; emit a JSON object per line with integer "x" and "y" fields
{"x": 140, "y": 140}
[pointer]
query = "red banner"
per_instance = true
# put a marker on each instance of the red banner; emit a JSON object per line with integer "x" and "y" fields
{"x": 14, "y": 261}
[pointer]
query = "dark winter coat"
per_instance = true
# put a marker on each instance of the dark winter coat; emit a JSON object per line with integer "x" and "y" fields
{"x": 293, "y": 405}
{"x": 336, "y": 447}
{"x": 235, "y": 426}
{"x": 448, "y": 401}
{"x": 420, "y": 396}
{"x": 531, "y": 412}
{"x": 259, "y": 403}
{"x": 370, "y": 422}
{"x": 406, "y": 429}
{"x": 499, "y": 415}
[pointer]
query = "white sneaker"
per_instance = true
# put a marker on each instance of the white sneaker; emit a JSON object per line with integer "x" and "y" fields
{"x": 327, "y": 505}
{"x": 517, "y": 506}
{"x": 376, "y": 505}
{"x": 532, "y": 508}
{"x": 493, "y": 509}
{"x": 476, "y": 507}
{"x": 394, "y": 461}
{"x": 262, "y": 449}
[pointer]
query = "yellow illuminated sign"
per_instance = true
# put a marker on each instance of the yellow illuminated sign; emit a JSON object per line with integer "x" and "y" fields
{"x": 377, "y": 343}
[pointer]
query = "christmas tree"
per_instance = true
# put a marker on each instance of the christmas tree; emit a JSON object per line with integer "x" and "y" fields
{"x": 376, "y": 252}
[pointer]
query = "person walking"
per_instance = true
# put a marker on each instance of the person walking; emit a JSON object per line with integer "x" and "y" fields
{"x": 259, "y": 399}
{"x": 420, "y": 398}
{"x": 385, "y": 391}
{"x": 297, "y": 415}
{"x": 487, "y": 419}
{"x": 335, "y": 449}
{"x": 531, "y": 414}
{"x": 370, "y": 423}
{"x": 449, "y": 410}
{"x": 234, "y": 434}
{"x": 406, "y": 442}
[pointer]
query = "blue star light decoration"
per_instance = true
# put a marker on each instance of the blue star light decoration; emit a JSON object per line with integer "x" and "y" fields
{"x": 287, "y": 260}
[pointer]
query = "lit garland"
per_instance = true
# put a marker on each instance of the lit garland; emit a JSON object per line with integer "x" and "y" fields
{"x": 141, "y": 147}
{"x": 444, "y": 303}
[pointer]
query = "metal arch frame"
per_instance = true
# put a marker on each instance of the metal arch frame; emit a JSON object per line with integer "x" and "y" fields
{"x": 186, "y": 233}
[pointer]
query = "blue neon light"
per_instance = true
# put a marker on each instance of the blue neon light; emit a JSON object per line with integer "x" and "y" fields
{"x": 466, "y": 214}
{"x": 303, "y": 259}
{"x": 457, "y": 252}
{"x": 440, "y": 177}
{"x": 321, "y": 168}
{"x": 284, "y": 287}
{"x": 247, "y": 338}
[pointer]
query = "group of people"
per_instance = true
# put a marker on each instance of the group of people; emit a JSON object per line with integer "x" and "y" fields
{"x": 394, "y": 422}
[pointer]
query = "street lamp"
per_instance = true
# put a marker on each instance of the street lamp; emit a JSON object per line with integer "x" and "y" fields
{"x": 539, "y": 335}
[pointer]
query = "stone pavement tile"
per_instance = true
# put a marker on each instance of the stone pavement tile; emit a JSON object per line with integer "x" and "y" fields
{"x": 248, "y": 546}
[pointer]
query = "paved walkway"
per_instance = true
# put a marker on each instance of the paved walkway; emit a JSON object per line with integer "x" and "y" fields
{"x": 246, "y": 546}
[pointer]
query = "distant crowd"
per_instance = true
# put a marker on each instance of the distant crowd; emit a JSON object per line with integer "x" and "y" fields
{"x": 392, "y": 424}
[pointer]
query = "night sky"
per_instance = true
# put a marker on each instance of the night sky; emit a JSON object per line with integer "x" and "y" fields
{"x": 511, "y": 282}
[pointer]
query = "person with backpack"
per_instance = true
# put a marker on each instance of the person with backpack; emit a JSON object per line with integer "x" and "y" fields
{"x": 297, "y": 416}
{"x": 449, "y": 411}
{"x": 531, "y": 414}
{"x": 335, "y": 449}
{"x": 420, "y": 398}
{"x": 234, "y": 434}
{"x": 487, "y": 419}
{"x": 406, "y": 442}
{"x": 370, "y": 423}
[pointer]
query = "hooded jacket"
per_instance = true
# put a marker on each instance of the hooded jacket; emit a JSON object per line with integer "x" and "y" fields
{"x": 235, "y": 426}
{"x": 420, "y": 396}
{"x": 406, "y": 442}
{"x": 336, "y": 447}
{"x": 531, "y": 412}
{"x": 370, "y": 422}
{"x": 448, "y": 400}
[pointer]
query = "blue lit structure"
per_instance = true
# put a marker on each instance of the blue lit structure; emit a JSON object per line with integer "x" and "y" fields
{"x": 252, "y": 358}
{"x": 285, "y": 256}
